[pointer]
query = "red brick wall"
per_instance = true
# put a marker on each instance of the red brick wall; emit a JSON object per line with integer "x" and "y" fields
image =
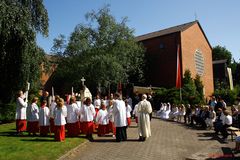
{"x": 162, "y": 61}
{"x": 191, "y": 40}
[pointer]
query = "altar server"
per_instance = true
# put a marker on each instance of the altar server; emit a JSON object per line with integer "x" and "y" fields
{"x": 44, "y": 115}
{"x": 73, "y": 123}
{"x": 60, "y": 113}
{"x": 87, "y": 112}
{"x": 21, "y": 113}
{"x": 33, "y": 117}
{"x": 102, "y": 120}
{"x": 128, "y": 112}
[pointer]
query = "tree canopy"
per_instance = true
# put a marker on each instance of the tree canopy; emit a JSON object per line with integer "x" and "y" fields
{"x": 104, "y": 51}
{"x": 220, "y": 53}
{"x": 20, "y": 57}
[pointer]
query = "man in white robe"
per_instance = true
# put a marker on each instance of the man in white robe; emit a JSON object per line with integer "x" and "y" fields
{"x": 120, "y": 118}
{"x": 144, "y": 109}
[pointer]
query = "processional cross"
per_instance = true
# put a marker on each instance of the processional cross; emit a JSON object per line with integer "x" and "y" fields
{"x": 83, "y": 80}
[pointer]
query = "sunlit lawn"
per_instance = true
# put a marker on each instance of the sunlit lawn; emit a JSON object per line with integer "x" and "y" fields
{"x": 13, "y": 147}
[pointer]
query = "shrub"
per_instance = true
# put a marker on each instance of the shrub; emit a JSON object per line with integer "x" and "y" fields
{"x": 7, "y": 112}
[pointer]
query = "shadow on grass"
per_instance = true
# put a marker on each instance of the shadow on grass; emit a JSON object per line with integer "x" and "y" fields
{"x": 39, "y": 140}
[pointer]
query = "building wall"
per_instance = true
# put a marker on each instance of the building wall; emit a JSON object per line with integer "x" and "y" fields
{"x": 161, "y": 57}
{"x": 191, "y": 40}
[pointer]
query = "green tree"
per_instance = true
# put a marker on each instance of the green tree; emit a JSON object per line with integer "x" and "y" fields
{"x": 199, "y": 88}
{"x": 104, "y": 51}
{"x": 188, "y": 89}
{"x": 20, "y": 57}
{"x": 220, "y": 53}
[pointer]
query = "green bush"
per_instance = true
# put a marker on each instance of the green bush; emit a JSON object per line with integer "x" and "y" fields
{"x": 7, "y": 112}
{"x": 229, "y": 96}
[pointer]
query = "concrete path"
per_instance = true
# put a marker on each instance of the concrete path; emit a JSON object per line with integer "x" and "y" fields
{"x": 169, "y": 141}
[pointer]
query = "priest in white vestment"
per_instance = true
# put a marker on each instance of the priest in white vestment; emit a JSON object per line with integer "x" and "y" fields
{"x": 120, "y": 118}
{"x": 144, "y": 109}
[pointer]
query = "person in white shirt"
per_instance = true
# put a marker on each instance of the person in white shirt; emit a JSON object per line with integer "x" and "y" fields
{"x": 111, "y": 126}
{"x": 226, "y": 123}
{"x": 102, "y": 120}
{"x": 73, "y": 124}
{"x": 181, "y": 113}
{"x": 52, "y": 109}
{"x": 21, "y": 113}
{"x": 120, "y": 118}
{"x": 33, "y": 117}
{"x": 97, "y": 103}
{"x": 60, "y": 114}
{"x": 87, "y": 114}
{"x": 144, "y": 109}
{"x": 44, "y": 115}
{"x": 128, "y": 112}
{"x": 135, "y": 113}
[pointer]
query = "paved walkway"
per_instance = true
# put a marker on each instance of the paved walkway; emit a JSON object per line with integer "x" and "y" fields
{"x": 169, "y": 141}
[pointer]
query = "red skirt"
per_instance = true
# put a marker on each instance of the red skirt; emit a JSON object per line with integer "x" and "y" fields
{"x": 102, "y": 130}
{"x": 21, "y": 125}
{"x": 52, "y": 125}
{"x": 44, "y": 130}
{"x": 111, "y": 128}
{"x": 59, "y": 133}
{"x": 81, "y": 125}
{"x": 129, "y": 121}
{"x": 136, "y": 119}
{"x": 33, "y": 127}
{"x": 73, "y": 129}
{"x": 87, "y": 127}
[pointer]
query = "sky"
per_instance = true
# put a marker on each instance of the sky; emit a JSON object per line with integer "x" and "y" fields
{"x": 220, "y": 19}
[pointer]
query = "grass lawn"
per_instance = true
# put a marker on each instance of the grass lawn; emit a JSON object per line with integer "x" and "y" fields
{"x": 13, "y": 147}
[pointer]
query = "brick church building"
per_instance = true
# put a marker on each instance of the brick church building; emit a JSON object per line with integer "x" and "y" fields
{"x": 170, "y": 52}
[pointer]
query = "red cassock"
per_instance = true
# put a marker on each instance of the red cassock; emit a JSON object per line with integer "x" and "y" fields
{"x": 21, "y": 125}
{"x": 73, "y": 129}
{"x": 59, "y": 133}
{"x": 33, "y": 127}
{"x": 129, "y": 121}
{"x": 136, "y": 119}
{"x": 111, "y": 128}
{"x": 44, "y": 130}
{"x": 52, "y": 125}
{"x": 87, "y": 127}
{"x": 102, "y": 130}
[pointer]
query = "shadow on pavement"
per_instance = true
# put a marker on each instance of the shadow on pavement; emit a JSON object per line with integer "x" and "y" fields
{"x": 226, "y": 154}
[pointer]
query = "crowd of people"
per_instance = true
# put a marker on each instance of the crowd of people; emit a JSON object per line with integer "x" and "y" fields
{"x": 74, "y": 117}
{"x": 214, "y": 115}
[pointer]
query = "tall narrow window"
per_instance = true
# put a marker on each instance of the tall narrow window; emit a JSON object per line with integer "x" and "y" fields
{"x": 199, "y": 62}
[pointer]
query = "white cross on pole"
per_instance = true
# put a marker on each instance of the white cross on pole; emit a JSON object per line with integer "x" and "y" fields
{"x": 83, "y": 80}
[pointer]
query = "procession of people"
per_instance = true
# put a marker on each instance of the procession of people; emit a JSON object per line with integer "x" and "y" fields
{"x": 100, "y": 115}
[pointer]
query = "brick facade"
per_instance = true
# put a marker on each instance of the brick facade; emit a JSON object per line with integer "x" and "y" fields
{"x": 161, "y": 52}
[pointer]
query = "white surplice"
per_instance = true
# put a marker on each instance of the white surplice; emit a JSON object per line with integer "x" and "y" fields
{"x": 44, "y": 115}
{"x": 60, "y": 115}
{"x": 21, "y": 112}
{"x": 102, "y": 117}
{"x": 119, "y": 112}
{"x": 87, "y": 113}
{"x": 72, "y": 113}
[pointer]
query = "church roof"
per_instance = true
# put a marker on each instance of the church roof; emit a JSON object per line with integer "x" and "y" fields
{"x": 179, "y": 28}
{"x": 170, "y": 30}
